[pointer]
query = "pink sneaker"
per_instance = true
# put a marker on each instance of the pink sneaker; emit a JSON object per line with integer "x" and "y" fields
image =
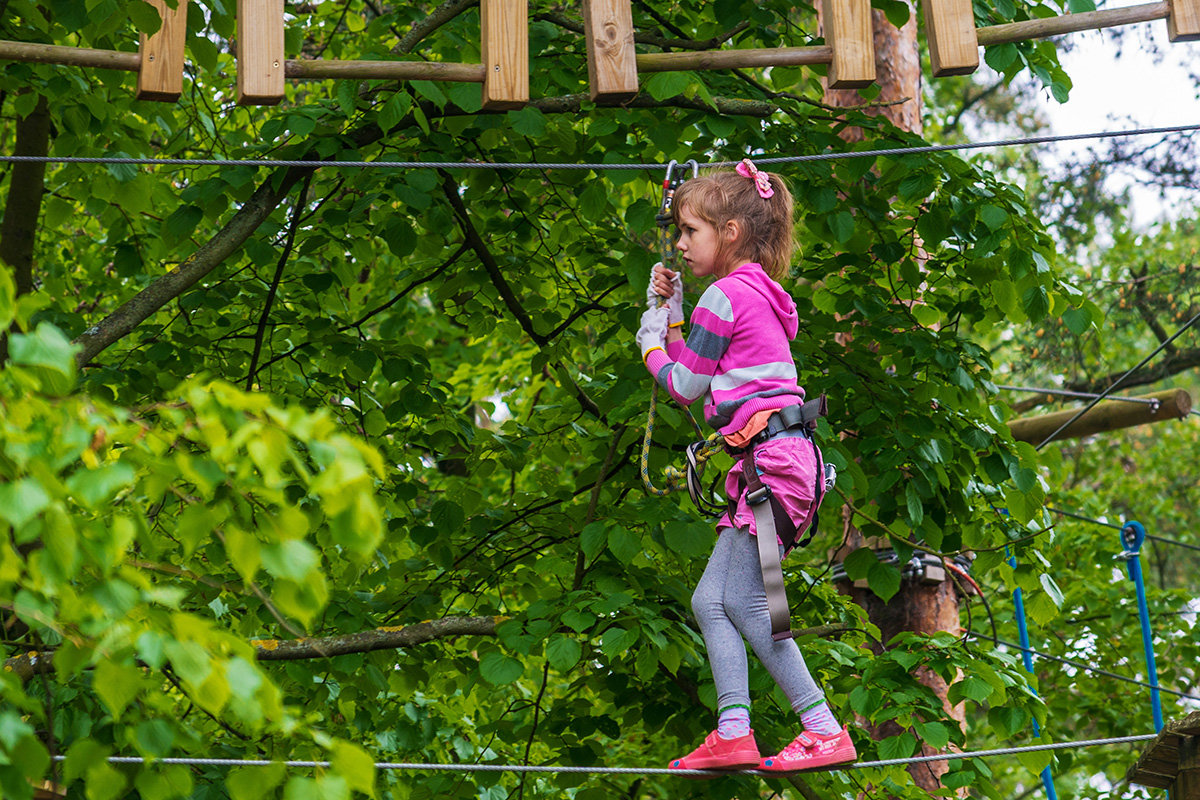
{"x": 718, "y": 753}
{"x": 812, "y": 750}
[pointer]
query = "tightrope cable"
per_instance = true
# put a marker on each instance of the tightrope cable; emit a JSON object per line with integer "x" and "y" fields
{"x": 599, "y": 167}
{"x": 555, "y": 769}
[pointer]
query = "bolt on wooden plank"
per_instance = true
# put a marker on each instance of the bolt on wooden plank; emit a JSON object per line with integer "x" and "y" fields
{"x": 160, "y": 74}
{"x": 504, "y": 40}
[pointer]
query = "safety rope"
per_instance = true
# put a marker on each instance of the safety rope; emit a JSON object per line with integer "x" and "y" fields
{"x": 1151, "y": 537}
{"x": 676, "y": 479}
{"x": 599, "y": 167}
{"x": 1082, "y": 666}
{"x": 557, "y": 769}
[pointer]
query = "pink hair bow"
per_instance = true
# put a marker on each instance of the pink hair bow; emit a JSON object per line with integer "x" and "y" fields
{"x": 762, "y": 181}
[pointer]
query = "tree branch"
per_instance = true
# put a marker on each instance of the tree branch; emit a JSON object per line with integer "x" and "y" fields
{"x": 389, "y": 638}
{"x": 208, "y": 257}
{"x": 450, "y": 189}
{"x": 577, "y": 26}
{"x": 261, "y": 331}
{"x": 436, "y": 19}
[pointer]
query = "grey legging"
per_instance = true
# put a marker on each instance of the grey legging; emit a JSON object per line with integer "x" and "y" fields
{"x": 730, "y": 603}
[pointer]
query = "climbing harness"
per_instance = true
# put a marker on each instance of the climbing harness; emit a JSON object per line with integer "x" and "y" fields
{"x": 772, "y": 523}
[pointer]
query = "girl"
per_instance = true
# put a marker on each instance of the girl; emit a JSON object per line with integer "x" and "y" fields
{"x": 737, "y": 226}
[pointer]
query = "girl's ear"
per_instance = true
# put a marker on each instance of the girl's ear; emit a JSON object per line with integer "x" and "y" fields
{"x": 733, "y": 231}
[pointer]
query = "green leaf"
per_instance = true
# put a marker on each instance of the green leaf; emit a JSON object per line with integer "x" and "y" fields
{"x": 624, "y": 544}
{"x": 901, "y": 746}
{"x": 841, "y": 225}
{"x": 859, "y": 563}
{"x": 665, "y": 85}
{"x": 1002, "y": 56}
{"x": 96, "y": 486}
{"x": 884, "y": 580}
{"x": 935, "y": 734}
{"x": 116, "y": 685}
{"x": 144, "y": 16}
{"x": 1036, "y": 303}
{"x": 183, "y": 221}
{"x": 255, "y": 783}
{"x": 1055, "y": 594}
{"x": 563, "y": 653}
{"x": 593, "y": 539}
{"x": 531, "y": 122}
{"x": 21, "y": 501}
{"x": 48, "y": 349}
{"x": 1077, "y": 320}
{"x": 689, "y": 539}
{"x": 355, "y": 766}
{"x": 499, "y": 669}
{"x": 993, "y": 216}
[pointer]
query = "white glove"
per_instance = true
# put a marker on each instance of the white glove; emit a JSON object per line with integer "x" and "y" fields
{"x": 674, "y": 302}
{"x": 653, "y": 332}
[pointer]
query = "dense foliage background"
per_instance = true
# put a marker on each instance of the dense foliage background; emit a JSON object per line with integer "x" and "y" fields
{"x": 260, "y": 425}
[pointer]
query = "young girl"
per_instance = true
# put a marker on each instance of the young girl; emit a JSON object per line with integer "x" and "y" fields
{"x": 737, "y": 226}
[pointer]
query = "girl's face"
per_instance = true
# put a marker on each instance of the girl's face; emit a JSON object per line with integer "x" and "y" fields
{"x": 699, "y": 245}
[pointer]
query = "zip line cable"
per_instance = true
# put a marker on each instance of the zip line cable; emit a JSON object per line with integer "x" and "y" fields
{"x": 1118, "y": 382}
{"x": 1085, "y": 667}
{"x": 552, "y": 769}
{"x": 1159, "y": 539}
{"x": 599, "y": 167}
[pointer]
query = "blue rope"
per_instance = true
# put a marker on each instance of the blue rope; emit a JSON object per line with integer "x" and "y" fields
{"x": 1027, "y": 657}
{"x": 1132, "y": 537}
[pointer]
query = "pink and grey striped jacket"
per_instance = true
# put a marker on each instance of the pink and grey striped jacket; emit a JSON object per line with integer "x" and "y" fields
{"x": 737, "y": 353}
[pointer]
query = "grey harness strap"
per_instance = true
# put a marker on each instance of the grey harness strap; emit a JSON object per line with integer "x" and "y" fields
{"x": 771, "y": 521}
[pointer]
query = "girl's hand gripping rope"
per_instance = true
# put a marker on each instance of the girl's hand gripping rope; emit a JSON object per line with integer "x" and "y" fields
{"x": 666, "y": 285}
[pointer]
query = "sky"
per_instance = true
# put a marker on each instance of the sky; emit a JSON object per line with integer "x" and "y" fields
{"x": 1130, "y": 91}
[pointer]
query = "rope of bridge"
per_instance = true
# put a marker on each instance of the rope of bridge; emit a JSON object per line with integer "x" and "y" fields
{"x": 557, "y": 769}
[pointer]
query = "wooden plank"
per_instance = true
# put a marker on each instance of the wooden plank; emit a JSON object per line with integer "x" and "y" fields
{"x": 322, "y": 69}
{"x": 37, "y": 53}
{"x": 160, "y": 76}
{"x": 504, "y": 43}
{"x": 1108, "y": 415}
{"x": 735, "y": 59}
{"x": 1072, "y": 23}
{"x": 1187, "y": 784}
{"x": 950, "y": 31}
{"x": 848, "y": 32}
{"x": 1166, "y": 759}
{"x": 612, "y": 70}
{"x": 1183, "y": 24}
{"x": 260, "y": 61}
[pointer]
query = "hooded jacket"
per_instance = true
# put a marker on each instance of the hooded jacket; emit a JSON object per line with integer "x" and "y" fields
{"x": 737, "y": 353}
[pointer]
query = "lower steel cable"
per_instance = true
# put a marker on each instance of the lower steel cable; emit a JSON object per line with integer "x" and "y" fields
{"x": 553, "y": 769}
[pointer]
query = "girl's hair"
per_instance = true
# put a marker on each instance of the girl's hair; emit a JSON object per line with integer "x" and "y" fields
{"x": 768, "y": 233}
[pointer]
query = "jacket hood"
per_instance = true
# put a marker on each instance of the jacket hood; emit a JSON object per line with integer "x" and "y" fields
{"x": 755, "y": 277}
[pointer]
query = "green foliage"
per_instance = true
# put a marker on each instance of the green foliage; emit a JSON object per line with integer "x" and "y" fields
{"x": 432, "y": 410}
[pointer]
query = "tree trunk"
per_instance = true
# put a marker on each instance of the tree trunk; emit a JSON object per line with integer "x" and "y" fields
{"x": 23, "y": 206}
{"x": 924, "y": 608}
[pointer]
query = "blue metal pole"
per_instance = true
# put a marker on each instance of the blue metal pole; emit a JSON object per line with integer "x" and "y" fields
{"x": 1027, "y": 657}
{"x": 1132, "y": 536}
